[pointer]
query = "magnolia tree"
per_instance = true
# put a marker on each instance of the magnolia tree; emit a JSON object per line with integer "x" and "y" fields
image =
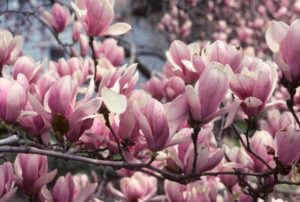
{"x": 216, "y": 125}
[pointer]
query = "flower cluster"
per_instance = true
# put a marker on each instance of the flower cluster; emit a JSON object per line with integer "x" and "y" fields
{"x": 178, "y": 127}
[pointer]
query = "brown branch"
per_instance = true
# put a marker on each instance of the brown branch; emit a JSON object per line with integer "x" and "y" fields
{"x": 91, "y": 44}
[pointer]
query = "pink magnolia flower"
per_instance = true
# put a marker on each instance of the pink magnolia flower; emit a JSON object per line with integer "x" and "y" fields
{"x": 200, "y": 191}
{"x": 58, "y": 18}
{"x": 204, "y": 99}
{"x": 175, "y": 191}
{"x": 173, "y": 87}
{"x": 12, "y": 101}
{"x": 286, "y": 145}
{"x": 84, "y": 45}
{"x": 44, "y": 83}
{"x": 254, "y": 85}
{"x": 183, "y": 157}
{"x": 237, "y": 160}
{"x": 34, "y": 124}
{"x": 10, "y": 48}
{"x": 153, "y": 123}
{"x": 115, "y": 85}
{"x": 97, "y": 136}
{"x": 225, "y": 54}
{"x": 7, "y": 188}
{"x": 259, "y": 143}
{"x": 27, "y": 66}
{"x": 284, "y": 42}
{"x": 77, "y": 68}
{"x": 239, "y": 156}
{"x": 110, "y": 49}
{"x": 276, "y": 121}
{"x": 184, "y": 61}
{"x": 138, "y": 187}
{"x": 67, "y": 190}
{"x": 76, "y": 31}
{"x": 96, "y": 17}
{"x": 63, "y": 113}
{"x": 129, "y": 126}
{"x": 155, "y": 86}
{"x": 32, "y": 172}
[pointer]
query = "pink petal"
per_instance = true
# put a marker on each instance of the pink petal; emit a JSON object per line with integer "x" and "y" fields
{"x": 85, "y": 110}
{"x": 86, "y": 192}
{"x": 45, "y": 179}
{"x": 275, "y": 33}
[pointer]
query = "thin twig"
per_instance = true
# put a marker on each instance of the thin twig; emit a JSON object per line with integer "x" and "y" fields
{"x": 91, "y": 44}
{"x": 249, "y": 148}
{"x": 290, "y": 104}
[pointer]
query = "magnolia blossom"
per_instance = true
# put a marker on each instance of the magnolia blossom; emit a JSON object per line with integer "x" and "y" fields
{"x": 208, "y": 157}
{"x": 225, "y": 54}
{"x": 10, "y": 47}
{"x": 84, "y": 45}
{"x": 155, "y": 86}
{"x": 254, "y": 85}
{"x": 286, "y": 145}
{"x": 97, "y": 136}
{"x": 63, "y": 113}
{"x": 276, "y": 121}
{"x": 115, "y": 85}
{"x": 209, "y": 91}
{"x": 7, "y": 188}
{"x": 13, "y": 99}
{"x": 58, "y": 18}
{"x": 284, "y": 42}
{"x": 33, "y": 123}
{"x": 110, "y": 49}
{"x": 184, "y": 61}
{"x": 77, "y": 68}
{"x": 27, "y": 66}
{"x": 153, "y": 122}
{"x": 32, "y": 172}
{"x": 138, "y": 187}
{"x": 67, "y": 189}
{"x": 238, "y": 159}
{"x": 76, "y": 31}
{"x": 173, "y": 87}
{"x": 202, "y": 191}
{"x": 259, "y": 143}
{"x": 177, "y": 22}
{"x": 89, "y": 12}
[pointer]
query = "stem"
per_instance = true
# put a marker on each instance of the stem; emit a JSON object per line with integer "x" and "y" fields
{"x": 249, "y": 148}
{"x": 250, "y": 123}
{"x": 107, "y": 123}
{"x": 94, "y": 56}
{"x": 290, "y": 104}
{"x": 194, "y": 139}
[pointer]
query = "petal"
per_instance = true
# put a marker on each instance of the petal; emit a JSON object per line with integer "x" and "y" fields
{"x": 212, "y": 88}
{"x": 115, "y": 102}
{"x": 275, "y": 33}
{"x": 146, "y": 129}
{"x": 86, "y": 192}
{"x": 85, "y": 110}
{"x": 117, "y": 29}
{"x": 38, "y": 107}
{"x": 194, "y": 102}
{"x": 15, "y": 102}
{"x": 45, "y": 179}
